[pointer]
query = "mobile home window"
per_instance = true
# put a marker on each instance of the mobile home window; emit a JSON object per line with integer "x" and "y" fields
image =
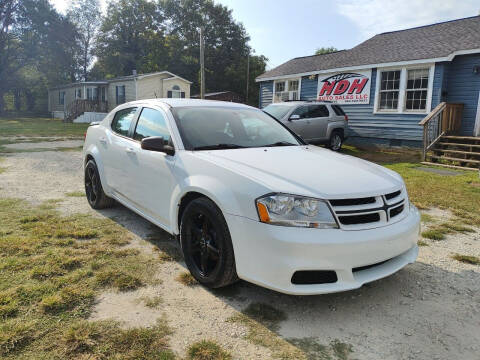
{"x": 92, "y": 93}
{"x": 389, "y": 90}
{"x": 61, "y": 97}
{"x": 176, "y": 92}
{"x": 417, "y": 89}
{"x": 120, "y": 94}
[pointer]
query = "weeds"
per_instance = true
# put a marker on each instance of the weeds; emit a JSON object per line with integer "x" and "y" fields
{"x": 152, "y": 302}
{"x": 76, "y": 194}
{"x": 186, "y": 279}
{"x": 467, "y": 259}
{"x": 438, "y": 232}
{"x": 207, "y": 350}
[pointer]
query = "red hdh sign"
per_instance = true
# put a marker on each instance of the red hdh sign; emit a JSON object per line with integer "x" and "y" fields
{"x": 345, "y": 88}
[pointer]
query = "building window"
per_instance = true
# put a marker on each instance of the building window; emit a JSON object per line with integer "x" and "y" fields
{"x": 389, "y": 90}
{"x": 120, "y": 94}
{"x": 417, "y": 89}
{"x": 287, "y": 90}
{"x": 404, "y": 90}
{"x": 92, "y": 93}
{"x": 103, "y": 92}
{"x": 78, "y": 94}
{"x": 61, "y": 97}
{"x": 176, "y": 92}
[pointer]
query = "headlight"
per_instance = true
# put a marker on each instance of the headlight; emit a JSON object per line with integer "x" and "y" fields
{"x": 292, "y": 210}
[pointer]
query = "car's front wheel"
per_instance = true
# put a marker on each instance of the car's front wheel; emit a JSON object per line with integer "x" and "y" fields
{"x": 93, "y": 188}
{"x": 336, "y": 140}
{"x": 206, "y": 244}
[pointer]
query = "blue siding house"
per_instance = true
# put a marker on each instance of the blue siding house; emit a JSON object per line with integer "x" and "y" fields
{"x": 390, "y": 82}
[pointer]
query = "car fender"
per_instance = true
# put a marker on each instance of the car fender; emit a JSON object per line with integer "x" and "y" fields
{"x": 92, "y": 150}
{"x": 334, "y": 125}
{"x": 217, "y": 191}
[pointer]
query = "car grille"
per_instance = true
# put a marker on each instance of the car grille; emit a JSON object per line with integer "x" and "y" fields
{"x": 370, "y": 212}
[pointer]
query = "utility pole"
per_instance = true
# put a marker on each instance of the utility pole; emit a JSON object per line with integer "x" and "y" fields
{"x": 248, "y": 76}
{"x": 202, "y": 65}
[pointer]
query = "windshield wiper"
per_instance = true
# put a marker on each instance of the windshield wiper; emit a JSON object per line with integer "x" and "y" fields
{"x": 280, "y": 143}
{"x": 218, "y": 147}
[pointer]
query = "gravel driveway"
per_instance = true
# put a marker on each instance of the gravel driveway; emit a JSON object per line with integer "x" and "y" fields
{"x": 429, "y": 310}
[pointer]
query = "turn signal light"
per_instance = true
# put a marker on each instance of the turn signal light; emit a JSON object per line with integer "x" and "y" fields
{"x": 263, "y": 213}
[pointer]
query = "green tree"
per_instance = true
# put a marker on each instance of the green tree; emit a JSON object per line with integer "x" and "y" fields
{"x": 85, "y": 15}
{"x": 34, "y": 41}
{"x": 325, "y": 50}
{"x": 128, "y": 38}
{"x": 164, "y": 35}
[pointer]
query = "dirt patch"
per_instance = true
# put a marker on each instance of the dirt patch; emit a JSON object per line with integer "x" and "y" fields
{"x": 45, "y": 145}
{"x": 429, "y": 310}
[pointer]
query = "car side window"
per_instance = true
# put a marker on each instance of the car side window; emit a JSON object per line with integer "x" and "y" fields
{"x": 302, "y": 111}
{"x": 122, "y": 121}
{"x": 151, "y": 123}
{"x": 317, "y": 111}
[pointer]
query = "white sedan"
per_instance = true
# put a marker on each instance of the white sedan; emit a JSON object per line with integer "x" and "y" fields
{"x": 248, "y": 199}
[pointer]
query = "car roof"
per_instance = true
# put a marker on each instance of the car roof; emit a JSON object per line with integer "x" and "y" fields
{"x": 189, "y": 102}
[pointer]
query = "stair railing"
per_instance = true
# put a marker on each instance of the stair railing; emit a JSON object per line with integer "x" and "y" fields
{"x": 444, "y": 119}
{"x": 81, "y": 106}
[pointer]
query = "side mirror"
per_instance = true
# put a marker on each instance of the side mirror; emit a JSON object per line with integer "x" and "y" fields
{"x": 157, "y": 143}
{"x": 294, "y": 117}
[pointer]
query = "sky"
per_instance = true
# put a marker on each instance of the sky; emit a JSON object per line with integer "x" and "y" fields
{"x": 284, "y": 29}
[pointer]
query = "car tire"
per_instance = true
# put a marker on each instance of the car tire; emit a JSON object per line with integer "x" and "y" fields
{"x": 93, "y": 188}
{"x": 336, "y": 140}
{"x": 207, "y": 245}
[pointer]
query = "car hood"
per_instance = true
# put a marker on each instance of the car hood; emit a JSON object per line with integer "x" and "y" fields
{"x": 307, "y": 170}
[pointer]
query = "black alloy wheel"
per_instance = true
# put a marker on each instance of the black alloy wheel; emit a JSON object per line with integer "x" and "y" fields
{"x": 93, "y": 188}
{"x": 207, "y": 245}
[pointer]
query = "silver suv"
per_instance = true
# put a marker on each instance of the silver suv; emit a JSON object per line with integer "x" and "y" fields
{"x": 316, "y": 122}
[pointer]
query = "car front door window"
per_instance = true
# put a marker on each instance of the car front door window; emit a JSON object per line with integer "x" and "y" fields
{"x": 151, "y": 123}
{"x": 299, "y": 125}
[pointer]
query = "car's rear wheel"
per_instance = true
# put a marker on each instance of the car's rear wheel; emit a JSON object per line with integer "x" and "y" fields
{"x": 206, "y": 244}
{"x": 93, "y": 188}
{"x": 336, "y": 140}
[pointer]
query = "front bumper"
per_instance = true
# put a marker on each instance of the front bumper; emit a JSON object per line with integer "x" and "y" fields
{"x": 269, "y": 255}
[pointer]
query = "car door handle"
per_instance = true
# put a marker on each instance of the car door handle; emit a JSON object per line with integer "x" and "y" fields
{"x": 130, "y": 150}
{"x": 103, "y": 140}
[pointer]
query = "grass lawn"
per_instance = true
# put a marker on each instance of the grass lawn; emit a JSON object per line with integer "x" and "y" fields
{"x": 29, "y": 127}
{"x": 460, "y": 194}
{"x": 51, "y": 268}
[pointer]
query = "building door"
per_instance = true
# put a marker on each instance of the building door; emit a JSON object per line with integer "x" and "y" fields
{"x": 476, "y": 130}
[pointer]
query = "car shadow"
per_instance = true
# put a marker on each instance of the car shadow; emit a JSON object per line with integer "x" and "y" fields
{"x": 422, "y": 311}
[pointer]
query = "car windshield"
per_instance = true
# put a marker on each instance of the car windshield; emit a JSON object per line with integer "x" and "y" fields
{"x": 207, "y": 128}
{"x": 277, "y": 111}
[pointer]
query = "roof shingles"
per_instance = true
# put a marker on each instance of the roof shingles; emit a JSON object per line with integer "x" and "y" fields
{"x": 425, "y": 42}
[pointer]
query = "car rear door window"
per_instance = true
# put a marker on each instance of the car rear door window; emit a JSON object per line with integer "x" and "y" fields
{"x": 123, "y": 120}
{"x": 302, "y": 111}
{"x": 151, "y": 123}
{"x": 316, "y": 111}
{"x": 338, "y": 110}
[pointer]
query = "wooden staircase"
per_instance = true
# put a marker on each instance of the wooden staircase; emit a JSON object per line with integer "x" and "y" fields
{"x": 455, "y": 151}
{"x": 441, "y": 145}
